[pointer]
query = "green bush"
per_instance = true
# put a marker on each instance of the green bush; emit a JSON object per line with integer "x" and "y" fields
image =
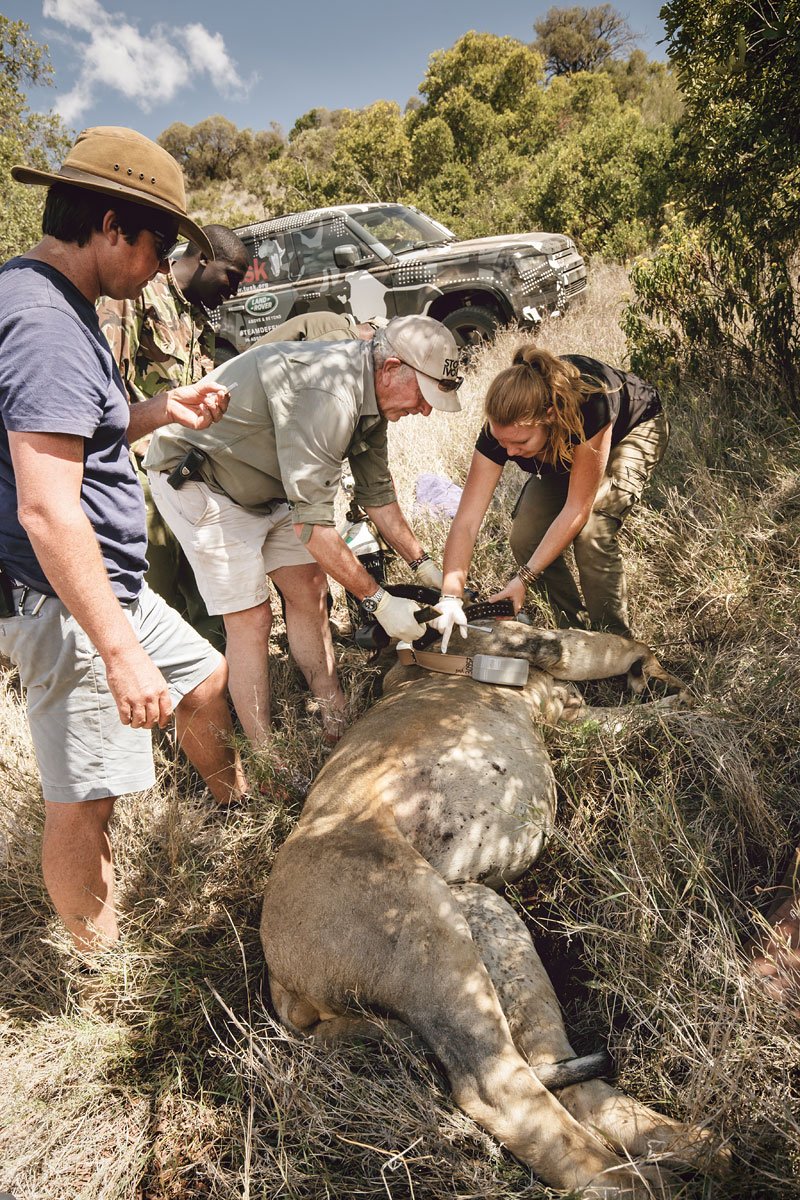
{"x": 722, "y": 285}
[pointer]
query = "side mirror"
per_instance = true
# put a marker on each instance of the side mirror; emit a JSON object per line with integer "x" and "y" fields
{"x": 347, "y": 255}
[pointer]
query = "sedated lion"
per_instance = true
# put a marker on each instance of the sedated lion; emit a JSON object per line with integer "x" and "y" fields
{"x": 441, "y": 793}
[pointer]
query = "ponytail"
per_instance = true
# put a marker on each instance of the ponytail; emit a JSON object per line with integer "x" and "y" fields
{"x": 539, "y": 388}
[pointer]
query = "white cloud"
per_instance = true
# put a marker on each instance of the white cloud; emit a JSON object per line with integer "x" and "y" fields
{"x": 207, "y": 53}
{"x": 147, "y": 68}
{"x": 77, "y": 14}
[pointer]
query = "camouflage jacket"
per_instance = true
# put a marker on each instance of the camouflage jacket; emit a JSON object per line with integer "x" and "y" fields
{"x": 159, "y": 341}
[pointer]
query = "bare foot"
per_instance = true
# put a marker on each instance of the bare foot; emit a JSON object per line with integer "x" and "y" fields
{"x": 334, "y": 724}
{"x": 776, "y": 956}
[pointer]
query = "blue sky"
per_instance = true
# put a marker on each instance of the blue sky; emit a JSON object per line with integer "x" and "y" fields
{"x": 258, "y": 61}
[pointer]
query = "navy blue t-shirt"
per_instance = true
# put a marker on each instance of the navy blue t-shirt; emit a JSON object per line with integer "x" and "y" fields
{"x": 624, "y": 402}
{"x": 57, "y": 375}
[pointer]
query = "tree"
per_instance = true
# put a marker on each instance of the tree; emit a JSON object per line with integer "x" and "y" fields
{"x": 25, "y": 137}
{"x": 651, "y": 86}
{"x": 432, "y": 148}
{"x": 481, "y": 63}
{"x": 319, "y": 118}
{"x": 722, "y": 288}
{"x": 372, "y": 155}
{"x": 739, "y": 68}
{"x": 600, "y": 174}
{"x": 215, "y": 149}
{"x": 581, "y": 39}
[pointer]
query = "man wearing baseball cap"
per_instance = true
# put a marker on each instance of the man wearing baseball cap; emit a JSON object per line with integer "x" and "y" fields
{"x": 260, "y": 496}
{"x": 102, "y": 658}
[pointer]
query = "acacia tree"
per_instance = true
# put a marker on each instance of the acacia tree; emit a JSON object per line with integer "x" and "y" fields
{"x": 722, "y": 287}
{"x": 40, "y": 141}
{"x": 582, "y": 39}
{"x": 372, "y": 154}
{"x": 216, "y": 149}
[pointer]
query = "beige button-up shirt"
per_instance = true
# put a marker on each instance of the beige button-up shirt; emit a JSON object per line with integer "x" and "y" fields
{"x": 298, "y": 411}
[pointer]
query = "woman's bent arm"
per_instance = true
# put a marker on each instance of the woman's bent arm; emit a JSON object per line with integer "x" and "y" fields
{"x": 482, "y": 479}
{"x": 586, "y": 474}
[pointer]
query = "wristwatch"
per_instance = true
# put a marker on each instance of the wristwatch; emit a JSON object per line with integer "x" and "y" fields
{"x": 370, "y": 603}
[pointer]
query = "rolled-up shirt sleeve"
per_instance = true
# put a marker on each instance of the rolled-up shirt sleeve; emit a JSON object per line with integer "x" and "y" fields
{"x": 368, "y": 455}
{"x": 312, "y": 432}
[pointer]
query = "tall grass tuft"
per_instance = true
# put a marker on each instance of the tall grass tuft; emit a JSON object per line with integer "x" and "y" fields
{"x": 670, "y": 832}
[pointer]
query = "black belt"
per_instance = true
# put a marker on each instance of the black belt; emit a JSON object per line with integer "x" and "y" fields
{"x": 25, "y": 590}
{"x": 14, "y": 593}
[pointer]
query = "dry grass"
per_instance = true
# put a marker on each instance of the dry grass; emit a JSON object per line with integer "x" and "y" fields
{"x": 668, "y": 832}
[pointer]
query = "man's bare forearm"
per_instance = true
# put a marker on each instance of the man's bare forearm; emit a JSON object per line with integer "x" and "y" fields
{"x": 195, "y": 406}
{"x": 49, "y": 471}
{"x": 69, "y": 555}
{"x": 393, "y": 528}
{"x": 147, "y": 416}
{"x": 338, "y": 561}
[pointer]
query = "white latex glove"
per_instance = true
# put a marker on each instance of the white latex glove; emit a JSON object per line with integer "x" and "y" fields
{"x": 452, "y": 611}
{"x": 429, "y": 574}
{"x": 396, "y": 615}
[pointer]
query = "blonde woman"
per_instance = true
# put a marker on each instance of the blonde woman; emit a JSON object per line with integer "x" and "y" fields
{"x": 588, "y": 436}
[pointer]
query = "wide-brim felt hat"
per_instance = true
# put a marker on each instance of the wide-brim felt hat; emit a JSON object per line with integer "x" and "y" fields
{"x": 121, "y": 162}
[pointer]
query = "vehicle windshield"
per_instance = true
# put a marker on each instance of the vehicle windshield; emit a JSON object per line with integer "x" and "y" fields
{"x": 401, "y": 228}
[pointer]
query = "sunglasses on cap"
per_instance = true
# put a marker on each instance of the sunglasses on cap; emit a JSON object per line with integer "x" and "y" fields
{"x": 444, "y": 385}
{"x": 451, "y": 384}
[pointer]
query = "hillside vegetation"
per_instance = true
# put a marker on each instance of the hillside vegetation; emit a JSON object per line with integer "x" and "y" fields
{"x": 492, "y": 147}
{"x": 641, "y": 904}
{"x": 670, "y": 832}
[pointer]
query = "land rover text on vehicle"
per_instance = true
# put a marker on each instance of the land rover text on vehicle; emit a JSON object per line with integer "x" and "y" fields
{"x": 390, "y": 260}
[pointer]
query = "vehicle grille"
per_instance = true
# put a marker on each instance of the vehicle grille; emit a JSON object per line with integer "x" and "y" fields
{"x": 576, "y": 286}
{"x": 538, "y": 278}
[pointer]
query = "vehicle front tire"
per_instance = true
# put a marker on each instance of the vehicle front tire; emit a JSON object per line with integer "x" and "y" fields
{"x": 223, "y": 352}
{"x": 472, "y": 324}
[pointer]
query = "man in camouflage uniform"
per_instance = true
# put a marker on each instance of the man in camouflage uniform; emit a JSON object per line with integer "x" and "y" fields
{"x": 322, "y": 326}
{"x": 164, "y": 339}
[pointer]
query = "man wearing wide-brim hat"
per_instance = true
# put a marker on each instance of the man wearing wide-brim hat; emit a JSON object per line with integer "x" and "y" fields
{"x": 102, "y": 658}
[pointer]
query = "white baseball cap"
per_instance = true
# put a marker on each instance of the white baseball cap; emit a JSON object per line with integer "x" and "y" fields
{"x": 430, "y": 349}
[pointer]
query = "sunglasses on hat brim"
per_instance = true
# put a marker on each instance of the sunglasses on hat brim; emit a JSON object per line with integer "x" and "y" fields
{"x": 444, "y": 385}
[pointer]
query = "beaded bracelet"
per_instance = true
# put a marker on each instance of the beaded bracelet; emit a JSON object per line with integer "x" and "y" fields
{"x": 419, "y": 561}
{"x": 527, "y": 576}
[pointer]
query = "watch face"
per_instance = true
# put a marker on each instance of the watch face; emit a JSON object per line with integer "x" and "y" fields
{"x": 370, "y": 603}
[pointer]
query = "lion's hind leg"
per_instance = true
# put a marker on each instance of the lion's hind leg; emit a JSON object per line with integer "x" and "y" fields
{"x": 348, "y": 1031}
{"x": 534, "y": 1016}
{"x": 647, "y": 667}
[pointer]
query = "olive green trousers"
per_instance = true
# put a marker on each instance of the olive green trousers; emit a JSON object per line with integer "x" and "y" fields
{"x": 598, "y": 557}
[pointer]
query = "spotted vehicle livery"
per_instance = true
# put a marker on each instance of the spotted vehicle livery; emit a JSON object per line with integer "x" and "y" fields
{"x": 390, "y": 260}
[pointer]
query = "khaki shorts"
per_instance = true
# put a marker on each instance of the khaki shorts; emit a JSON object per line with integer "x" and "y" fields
{"x": 83, "y": 750}
{"x": 231, "y": 549}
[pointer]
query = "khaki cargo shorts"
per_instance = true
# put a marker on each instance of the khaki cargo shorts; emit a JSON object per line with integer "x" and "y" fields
{"x": 231, "y": 549}
{"x": 83, "y": 750}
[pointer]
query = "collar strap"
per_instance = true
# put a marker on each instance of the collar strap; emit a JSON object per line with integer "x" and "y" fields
{"x": 485, "y": 668}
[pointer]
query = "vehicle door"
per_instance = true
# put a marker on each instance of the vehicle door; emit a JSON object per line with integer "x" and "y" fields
{"x": 339, "y": 272}
{"x": 267, "y": 294}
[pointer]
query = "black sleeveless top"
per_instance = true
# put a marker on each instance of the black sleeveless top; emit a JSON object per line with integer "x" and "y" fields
{"x": 623, "y": 401}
